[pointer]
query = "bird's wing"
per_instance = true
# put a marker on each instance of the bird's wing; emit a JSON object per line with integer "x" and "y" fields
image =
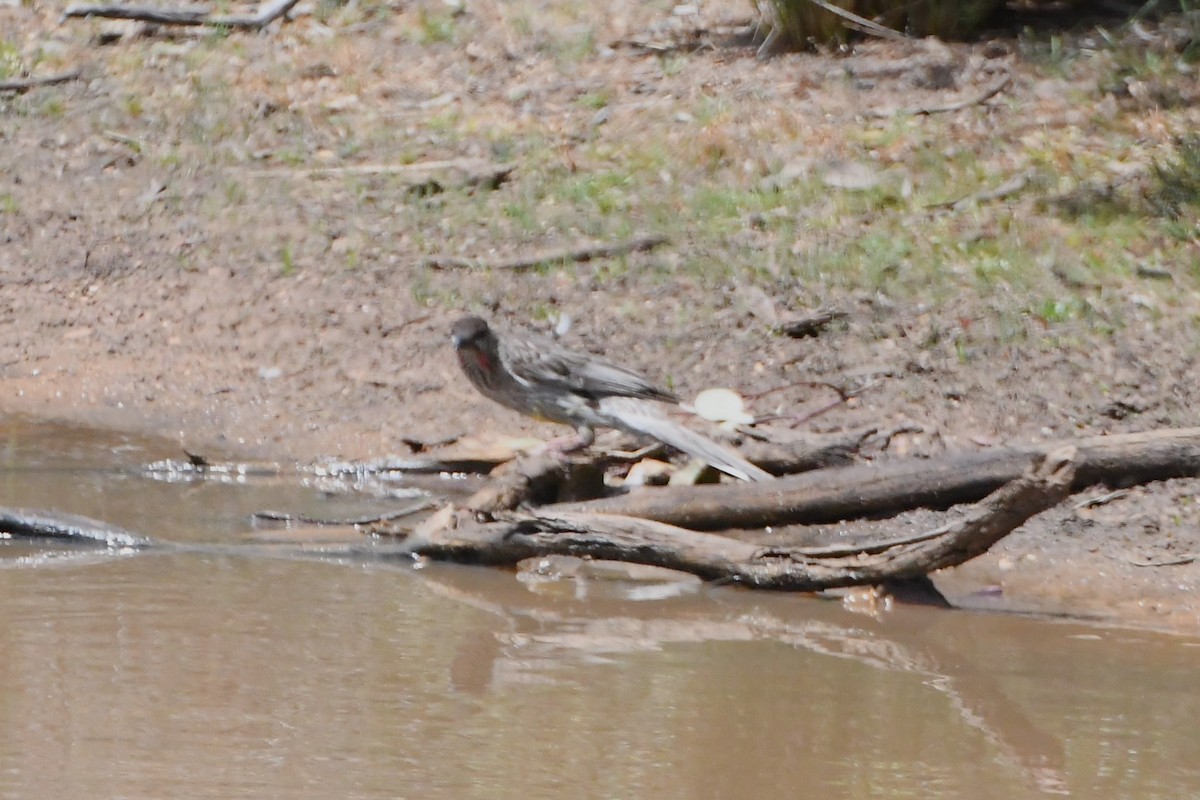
{"x": 548, "y": 364}
{"x": 637, "y": 417}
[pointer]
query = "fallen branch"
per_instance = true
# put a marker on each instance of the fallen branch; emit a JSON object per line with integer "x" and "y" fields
{"x": 473, "y": 172}
{"x": 943, "y": 108}
{"x": 69, "y": 527}
{"x": 513, "y": 537}
{"x": 22, "y": 85}
{"x": 1009, "y": 187}
{"x": 283, "y": 516}
{"x": 583, "y": 253}
{"x": 812, "y": 324}
{"x": 832, "y": 495}
{"x": 183, "y": 16}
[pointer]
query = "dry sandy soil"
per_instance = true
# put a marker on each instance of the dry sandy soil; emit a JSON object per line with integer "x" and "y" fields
{"x": 170, "y": 261}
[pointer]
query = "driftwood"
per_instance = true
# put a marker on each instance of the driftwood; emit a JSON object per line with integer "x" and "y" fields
{"x": 831, "y": 495}
{"x": 183, "y": 16}
{"x": 513, "y": 537}
{"x": 370, "y": 519}
{"x": 21, "y": 85}
{"x": 588, "y": 252}
{"x": 66, "y": 527}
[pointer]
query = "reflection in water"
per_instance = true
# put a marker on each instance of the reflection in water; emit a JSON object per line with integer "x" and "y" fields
{"x": 251, "y": 669}
{"x": 542, "y": 638}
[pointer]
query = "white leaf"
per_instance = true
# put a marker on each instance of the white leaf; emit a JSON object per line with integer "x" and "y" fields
{"x": 722, "y": 405}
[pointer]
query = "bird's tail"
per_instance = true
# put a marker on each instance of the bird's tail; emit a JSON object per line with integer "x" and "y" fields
{"x": 638, "y": 416}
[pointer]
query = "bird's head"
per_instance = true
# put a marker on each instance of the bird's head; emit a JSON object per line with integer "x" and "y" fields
{"x": 469, "y": 332}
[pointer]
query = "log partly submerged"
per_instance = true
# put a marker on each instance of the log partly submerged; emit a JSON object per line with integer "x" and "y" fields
{"x": 72, "y": 528}
{"x": 830, "y": 495}
{"x": 510, "y": 537}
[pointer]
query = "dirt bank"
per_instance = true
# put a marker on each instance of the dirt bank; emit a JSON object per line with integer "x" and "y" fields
{"x": 168, "y": 266}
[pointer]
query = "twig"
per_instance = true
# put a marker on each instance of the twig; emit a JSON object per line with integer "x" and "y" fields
{"x": 1009, "y": 187}
{"x": 1170, "y": 562}
{"x": 133, "y": 144}
{"x": 844, "y": 396}
{"x": 281, "y": 516}
{"x": 582, "y": 253}
{"x": 22, "y": 85}
{"x": 862, "y": 24}
{"x": 482, "y": 170}
{"x": 183, "y": 16}
{"x": 982, "y": 97}
{"x": 1104, "y": 499}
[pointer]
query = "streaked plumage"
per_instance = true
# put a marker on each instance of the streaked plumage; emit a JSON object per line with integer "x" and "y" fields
{"x": 541, "y": 379}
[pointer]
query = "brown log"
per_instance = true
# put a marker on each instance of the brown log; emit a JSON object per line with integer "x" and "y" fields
{"x": 510, "y": 538}
{"x": 831, "y": 495}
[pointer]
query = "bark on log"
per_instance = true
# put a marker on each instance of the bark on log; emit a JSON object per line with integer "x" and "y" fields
{"x": 510, "y": 538}
{"x": 519, "y": 481}
{"x": 832, "y": 495}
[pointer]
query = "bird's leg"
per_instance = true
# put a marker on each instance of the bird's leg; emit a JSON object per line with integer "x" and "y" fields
{"x": 584, "y": 436}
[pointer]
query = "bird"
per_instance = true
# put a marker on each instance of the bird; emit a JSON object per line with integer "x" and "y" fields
{"x": 542, "y": 379}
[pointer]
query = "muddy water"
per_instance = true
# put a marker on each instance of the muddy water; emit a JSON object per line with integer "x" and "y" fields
{"x": 247, "y": 669}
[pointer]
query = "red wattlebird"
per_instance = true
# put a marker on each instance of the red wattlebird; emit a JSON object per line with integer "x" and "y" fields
{"x": 541, "y": 379}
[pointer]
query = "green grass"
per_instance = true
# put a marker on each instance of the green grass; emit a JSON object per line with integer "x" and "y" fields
{"x": 10, "y": 59}
{"x": 434, "y": 27}
{"x": 595, "y": 100}
{"x": 287, "y": 261}
{"x": 1176, "y": 191}
{"x": 693, "y": 169}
